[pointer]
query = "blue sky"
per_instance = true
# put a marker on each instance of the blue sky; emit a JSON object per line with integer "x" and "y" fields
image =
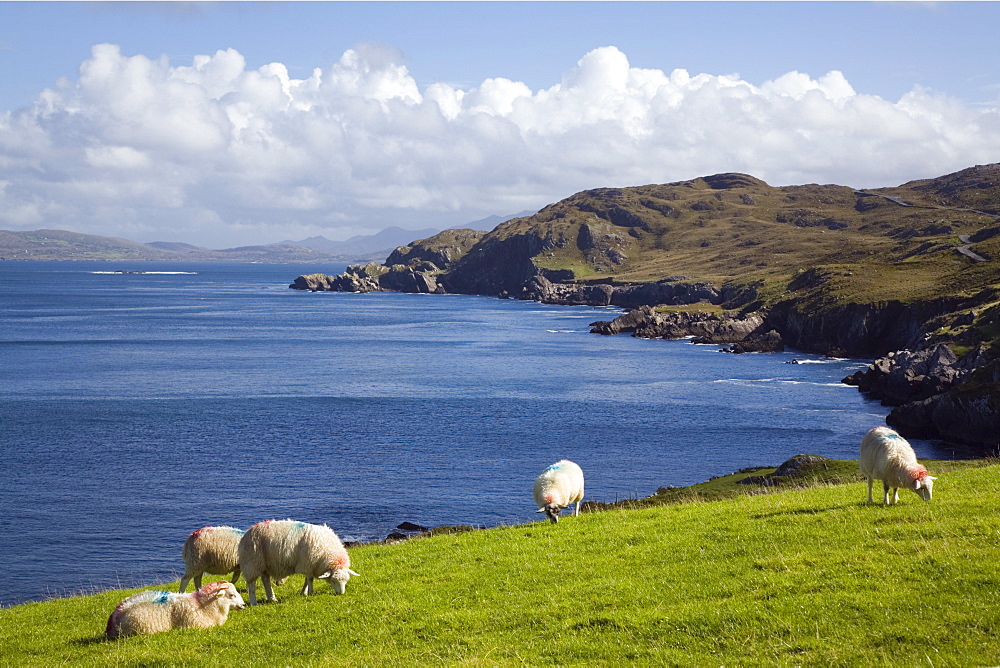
{"x": 435, "y": 114}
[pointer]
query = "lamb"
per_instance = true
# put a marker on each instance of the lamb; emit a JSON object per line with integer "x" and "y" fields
{"x": 557, "y": 487}
{"x": 278, "y": 548}
{"x": 211, "y": 550}
{"x": 886, "y": 456}
{"x": 155, "y": 611}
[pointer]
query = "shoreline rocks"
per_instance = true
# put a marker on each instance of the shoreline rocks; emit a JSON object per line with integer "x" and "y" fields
{"x": 936, "y": 394}
{"x": 748, "y": 333}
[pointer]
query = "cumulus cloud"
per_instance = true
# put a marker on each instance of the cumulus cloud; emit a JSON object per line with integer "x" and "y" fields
{"x": 215, "y": 153}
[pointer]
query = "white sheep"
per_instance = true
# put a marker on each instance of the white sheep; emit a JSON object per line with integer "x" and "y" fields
{"x": 155, "y": 611}
{"x": 211, "y": 550}
{"x": 279, "y": 548}
{"x": 557, "y": 487}
{"x": 886, "y": 456}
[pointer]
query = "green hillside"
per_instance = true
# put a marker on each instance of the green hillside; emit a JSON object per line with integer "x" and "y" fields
{"x": 808, "y": 576}
{"x": 890, "y": 243}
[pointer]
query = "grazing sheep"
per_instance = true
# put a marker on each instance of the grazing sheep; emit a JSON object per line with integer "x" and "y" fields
{"x": 211, "y": 550}
{"x": 278, "y": 548}
{"x": 557, "y": 487}
{"x": 155, "y": 611}
{"x": 886, "y": 456}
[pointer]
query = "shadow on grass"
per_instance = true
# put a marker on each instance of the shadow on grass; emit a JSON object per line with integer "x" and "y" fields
{"x": 802, "y": 511}
{"x": 91, "y": 640}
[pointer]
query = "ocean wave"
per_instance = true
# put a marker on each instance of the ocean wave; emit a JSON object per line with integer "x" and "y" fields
{"x": 826, "y": 360}
{"x": 162, "y": 273}
{"x": 787, "y": 381}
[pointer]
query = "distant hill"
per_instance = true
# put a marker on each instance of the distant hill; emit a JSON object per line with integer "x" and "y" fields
{"x": 366, "y": 247}
{"x": 65, "y": 245}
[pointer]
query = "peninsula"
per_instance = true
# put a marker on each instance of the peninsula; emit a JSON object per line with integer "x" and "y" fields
{"x": 909, "y": 275}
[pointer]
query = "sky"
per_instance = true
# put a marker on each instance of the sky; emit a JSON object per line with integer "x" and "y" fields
{"x": 228, "y": 124}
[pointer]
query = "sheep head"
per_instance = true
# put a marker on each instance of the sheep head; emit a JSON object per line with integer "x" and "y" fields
{"x": 551, "y": 511}
{"x": 338, "y": 579}
{"x": 923, "y": 486}
{"x": 223, "y": 592}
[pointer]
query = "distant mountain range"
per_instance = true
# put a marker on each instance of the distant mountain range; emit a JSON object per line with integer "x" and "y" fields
{"x": 379, "y": 245}
{"x": 65, "y": 245}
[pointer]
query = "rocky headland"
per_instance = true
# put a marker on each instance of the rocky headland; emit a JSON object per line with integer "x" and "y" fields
{"x": 903, "y": 275}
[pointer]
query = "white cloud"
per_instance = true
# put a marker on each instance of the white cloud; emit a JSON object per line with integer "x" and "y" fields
{"x": 218, "y": 154}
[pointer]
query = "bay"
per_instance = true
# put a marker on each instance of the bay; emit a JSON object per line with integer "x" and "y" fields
{"x": 137, "y": 407}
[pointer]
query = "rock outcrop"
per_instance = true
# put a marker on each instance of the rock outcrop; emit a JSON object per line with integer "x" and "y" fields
{"x": 936, "y": 394}
{"x": 913, "y": 375}
{"x": 747, "y": 333}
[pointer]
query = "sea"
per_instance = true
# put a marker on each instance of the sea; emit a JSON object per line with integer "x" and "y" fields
{"x": 137, "y": 407}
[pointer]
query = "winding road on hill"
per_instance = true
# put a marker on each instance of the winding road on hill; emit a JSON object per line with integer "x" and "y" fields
{"x": 965, "y": 250}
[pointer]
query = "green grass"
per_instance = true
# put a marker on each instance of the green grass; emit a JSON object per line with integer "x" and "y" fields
{"x": 808, "y": 576}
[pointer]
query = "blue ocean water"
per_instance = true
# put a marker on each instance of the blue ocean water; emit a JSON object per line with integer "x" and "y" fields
{"x": 135, "y": 408}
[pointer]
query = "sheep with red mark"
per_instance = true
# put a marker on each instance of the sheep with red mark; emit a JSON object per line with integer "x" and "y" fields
{"x": 279, "y": 548}
{"x": 211, "y": 550}
{"x": 155, "y": 611}
{"x": 887, "y": 456}
{"x": 558, "y": 487}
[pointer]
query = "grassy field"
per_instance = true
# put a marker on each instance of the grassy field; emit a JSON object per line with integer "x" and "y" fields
{"x": 803, "y": 576}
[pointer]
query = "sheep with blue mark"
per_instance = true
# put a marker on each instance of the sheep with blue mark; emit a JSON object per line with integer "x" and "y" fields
{"x": 155, "y": 611}
{"x": 211, "y": 550}
{"x": 279, "y": 548}
{"x": 887, "y": 456}
{"x": 558, "y": 487}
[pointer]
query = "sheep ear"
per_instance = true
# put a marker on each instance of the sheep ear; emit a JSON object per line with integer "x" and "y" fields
{"x": 325, "y": 576}
{"x": 917, "y": 484}
{"x": 357, "y": 575}
{"x": 540, "y": 510}
{"x": 930, "y": 477}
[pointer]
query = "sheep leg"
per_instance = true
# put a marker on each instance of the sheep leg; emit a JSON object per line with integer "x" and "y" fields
{"x": 576, "y": 512}
{"x": 307, "y": 588}
{"x": 885, "y": 493}
{"x": 197, "y": 581}
{"x": 871, "y": 481}
{"x": 236, "y": 575}
{"x": 266, "y": 579}
{"x": 895, "y": 495}
{"x": 184, "y": 583}
{"x": 252, "y": 591}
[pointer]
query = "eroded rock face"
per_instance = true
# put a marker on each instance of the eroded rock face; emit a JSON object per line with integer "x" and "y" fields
{"x": 938, "y": 395}
{"x": 969, "y": 415}
{"x": 746, "y": 333}
{"x": 913, "y": 375}
{"x": 345, "y": 282}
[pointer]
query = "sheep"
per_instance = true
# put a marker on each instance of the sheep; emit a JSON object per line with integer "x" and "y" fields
{"x": 211, "y": 550}
{"x": 886, "y": 456}
{"x": 155, "y": 611}
{"x": 557, "y": 487}
{"x": 278, "y": 548}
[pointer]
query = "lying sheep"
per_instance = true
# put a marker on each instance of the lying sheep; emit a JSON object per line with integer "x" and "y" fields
{"x": 211, "y": 550}
{"x": 886, "y": 456}
{"x": 557, "y": 487}
{"x": 155, "y": 611}
{"x": 279, "y": 548}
